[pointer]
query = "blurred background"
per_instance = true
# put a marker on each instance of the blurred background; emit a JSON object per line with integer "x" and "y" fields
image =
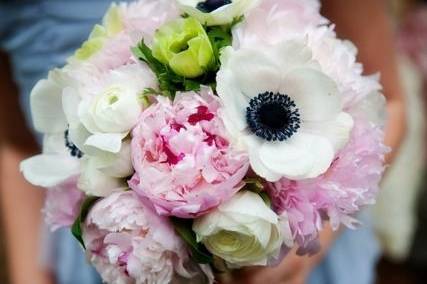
{"x": 401, "y": 213}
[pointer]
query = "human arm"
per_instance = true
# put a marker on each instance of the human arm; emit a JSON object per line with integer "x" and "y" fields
{"x": 366, "y": 23}
{"x": 20, "y": 203}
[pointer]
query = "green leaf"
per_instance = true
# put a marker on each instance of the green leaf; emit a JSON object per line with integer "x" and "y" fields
{"x": 76, "y": 228}
{"x": 191, "y": 85}
{"x": 143, "y": 52}
{"x": 183, "y": 227}
{"x": 220, "y": 37}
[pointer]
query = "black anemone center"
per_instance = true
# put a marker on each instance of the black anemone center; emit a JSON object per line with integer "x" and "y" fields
{"x": 74, "y": 151}
{"x": 211, "y": 5}
{"x": 273, "y": 117}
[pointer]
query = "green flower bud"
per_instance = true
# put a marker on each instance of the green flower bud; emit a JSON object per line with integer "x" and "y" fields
{"x": 184, "y": 45}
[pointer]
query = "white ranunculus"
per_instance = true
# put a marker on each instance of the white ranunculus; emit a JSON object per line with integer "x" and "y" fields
{"x": 110, "y": 109}
{"x": 297, "y": 123}
{"x": 115, "y": 165}
{"x": 243, "y": 231}
{"x": 93, "y": 181}
{"x": 216, "y": 12}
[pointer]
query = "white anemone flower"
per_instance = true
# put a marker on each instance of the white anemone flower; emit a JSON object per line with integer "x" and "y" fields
{"x": 55, "y": 164}
{"x": 216, "y": 12}
{"x": 282, "y": 109}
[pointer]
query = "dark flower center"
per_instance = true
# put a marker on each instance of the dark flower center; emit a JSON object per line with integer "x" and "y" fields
{"x": 211, "y": 5}
{"x": 273, "y": 117}
{"x": 74, "y": 151}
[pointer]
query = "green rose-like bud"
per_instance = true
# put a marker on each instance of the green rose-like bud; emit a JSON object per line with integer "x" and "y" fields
{"x": 184, "y": 45}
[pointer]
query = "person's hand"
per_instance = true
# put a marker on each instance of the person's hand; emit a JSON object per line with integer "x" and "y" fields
{"x": 293, "y": 269}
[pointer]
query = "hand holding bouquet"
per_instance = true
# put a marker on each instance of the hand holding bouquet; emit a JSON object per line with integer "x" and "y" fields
{"x": 189, "y": 136}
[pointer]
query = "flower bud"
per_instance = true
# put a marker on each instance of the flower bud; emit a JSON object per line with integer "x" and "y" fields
{"x": 184, "y": 46}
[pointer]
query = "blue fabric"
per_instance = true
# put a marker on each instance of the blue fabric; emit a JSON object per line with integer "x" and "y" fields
{"x": 40, "y": 35}
{"x": 352, "y": 258}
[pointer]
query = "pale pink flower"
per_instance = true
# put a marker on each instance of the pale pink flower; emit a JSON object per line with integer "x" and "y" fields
{"x": 115, "y": 53}
{"x": 142, "y": 18}
{"x": 62, "y": 204}
{"x": 350, "y": 183}
{"x": 128, "y": 242}
{"x": 274, "y": 21}
{"x": 182, "y": 157}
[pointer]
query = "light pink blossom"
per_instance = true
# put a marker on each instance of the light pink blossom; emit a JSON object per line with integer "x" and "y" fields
{"x": 182, "y": 157}
{"x": 350, "y": 183}
{"x": 142, "y": 18}
{"x": 274, "y": 21}
{"x": 62, "y": 204}
{"x": 129, "y": 243}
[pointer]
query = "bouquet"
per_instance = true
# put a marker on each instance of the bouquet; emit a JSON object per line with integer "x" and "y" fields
{"x": 186, "y": 137}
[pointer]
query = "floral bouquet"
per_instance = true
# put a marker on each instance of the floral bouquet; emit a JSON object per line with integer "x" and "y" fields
{"x": 186, "y": 137}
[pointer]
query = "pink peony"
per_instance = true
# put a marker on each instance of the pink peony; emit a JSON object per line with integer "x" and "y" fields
{"x": 182, "y": 157}
{"x": 350, "y": 183}
{"x": 142, "y": 18}
{"x": 304, "y": 219}
{"x": 115, "y": 53}
{"x": 273, "y": 21}
{"x": 62, "y": 204}
{"x": 129, "y": 243}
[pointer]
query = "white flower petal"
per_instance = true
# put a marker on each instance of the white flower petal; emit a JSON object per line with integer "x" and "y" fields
{"x": 46, "y": 107}
{"x": 337, "y": 131}
{"x": 372, "y": 108}
{"x": 86, "y": 118}
{"x": 243, "y": 231}
{"x": 78, "y": 136}
{"x": 292, "y": 54}
{"x": 223, "y": 15}
{"x": 315, "y": 94}
{"x": 191, "y": 3}
{"x": 254, "y": 72}
{"x": 233, "y": 101}
{"x": 253, "y": 144}
{"x": 110, "y": 142}
{"x": 300, "y": 157}
{"x": 116, "y": 165}
{"x": 48, "y": 170}
{"x": 54, "y": 144}
{"x": 94, "y": 182}
{"x": 70, "y": 104}
{"x": 237, "y": 206}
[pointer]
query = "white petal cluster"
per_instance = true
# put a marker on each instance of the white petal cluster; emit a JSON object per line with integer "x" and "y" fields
{"x": 220, "y": 16}
{"x": 243, "y": 231}
{"x": 286, "y": 68}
